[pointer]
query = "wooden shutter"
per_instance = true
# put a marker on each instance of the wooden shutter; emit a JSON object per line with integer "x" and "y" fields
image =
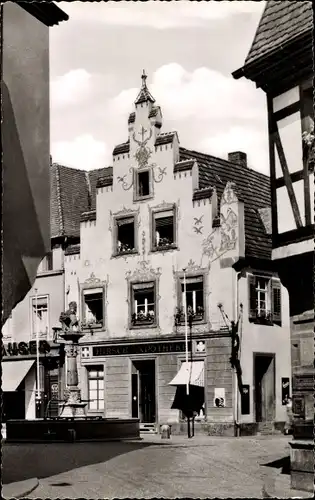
{"x": 252, "y": 297}
{"x": 276, "y": 301}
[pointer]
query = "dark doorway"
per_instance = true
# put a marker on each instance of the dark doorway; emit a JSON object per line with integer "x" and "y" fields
{"x": 264, "y": 374}
{"x": 143, "y": 391}
{"x": 14, "y": 403}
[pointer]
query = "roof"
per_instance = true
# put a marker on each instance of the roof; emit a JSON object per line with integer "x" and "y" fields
{"x": 253, "y": 188}
{"x": 144, "y": 94}
{"x": 73, "y": 192}
{"x": 280, "y": 22}
{"x": 46, "y": 12}
{"x": 165, "y": 138}
{"x": 161, "y": 139}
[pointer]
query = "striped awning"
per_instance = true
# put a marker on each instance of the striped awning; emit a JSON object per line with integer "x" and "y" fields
{"x": 191, "y": 372}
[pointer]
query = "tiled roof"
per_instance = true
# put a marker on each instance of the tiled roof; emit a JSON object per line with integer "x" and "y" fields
{"x": 90, "y": 215}
{"x": 73, "y": 192}
{"x": 253, "y": 188}
{"x": 201, "y": 194}
{"x": 154, "y": 111}
{"x": 165, "y": 138}
{"x": 72, "y": 249}
{"x": 105, "y": 181}
{"x": 144, "y": 95}
{"x": 280, "y": 22}
{"x": 121, "y": 148}
{"x": 132, "y": 117}
{"x": 181, "y": 166}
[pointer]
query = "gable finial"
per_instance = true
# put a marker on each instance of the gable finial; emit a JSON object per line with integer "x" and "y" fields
{"x": 143, "y": 78}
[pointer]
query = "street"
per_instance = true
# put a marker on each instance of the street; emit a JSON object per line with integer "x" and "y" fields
{"x": 202, "y": 467}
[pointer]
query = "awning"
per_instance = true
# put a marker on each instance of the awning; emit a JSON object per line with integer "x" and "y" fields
{"x": 191, "y": 372}
{"x": 13, "y": 372}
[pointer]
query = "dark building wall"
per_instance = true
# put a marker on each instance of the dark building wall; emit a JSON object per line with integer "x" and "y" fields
{"x": 25, "y": 144}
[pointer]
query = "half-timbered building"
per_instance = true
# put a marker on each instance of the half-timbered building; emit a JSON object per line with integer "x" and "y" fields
{"x": 280, "y": 62}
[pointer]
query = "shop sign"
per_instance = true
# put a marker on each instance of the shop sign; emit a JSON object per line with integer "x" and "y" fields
{"x": 151, "y": 348}
{"x": 303, "y": 382}
{"x": 25, "y": 348}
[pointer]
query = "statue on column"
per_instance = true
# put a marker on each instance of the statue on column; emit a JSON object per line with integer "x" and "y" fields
{"x": 68, "y": 319}
{"x": 73, "y": 407}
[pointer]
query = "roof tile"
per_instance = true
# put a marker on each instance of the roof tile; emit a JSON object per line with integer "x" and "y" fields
{"x": 281, "y": 21}
{"x": 253, "y": 188}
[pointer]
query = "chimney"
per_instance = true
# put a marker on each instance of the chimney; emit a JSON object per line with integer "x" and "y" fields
{"x": 238, "y": 157}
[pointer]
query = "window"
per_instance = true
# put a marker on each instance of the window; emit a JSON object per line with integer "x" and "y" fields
{"x": 96, "y": 387}
{"x": 40, "y": 319}
{"x": 93, "y": 310}
{"x": 144, "y": 183}
{"x": 125, "y": 240}
{"x": 143, "y": 312}
{"x": 163, "y": 230}
{"x": 194, "y": 299}
{"x": 264, "y": 300}
{"x": 47, "y": 263}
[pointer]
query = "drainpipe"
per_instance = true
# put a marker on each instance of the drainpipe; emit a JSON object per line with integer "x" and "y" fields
{"x": 236, "y": 312}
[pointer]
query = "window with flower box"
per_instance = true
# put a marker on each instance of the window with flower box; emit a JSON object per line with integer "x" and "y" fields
{"x": 164, "y": 230}
{"x": 125, "y": 235}
{"x": 194, "y": 300}
{"x": 93, "y": 308}
{"x": 264, "y": 300}
{"x": 96, "y": 387}
{"x": 143, "y": 302}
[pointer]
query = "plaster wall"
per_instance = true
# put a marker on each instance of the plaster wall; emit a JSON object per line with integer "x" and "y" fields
{"x": 19, "y": 327}
{"x": 265, "y": 339}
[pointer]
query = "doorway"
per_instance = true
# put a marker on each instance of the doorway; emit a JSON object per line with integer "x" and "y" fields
{"x": 143, "y": 391}
{"x": 264, "y": 383}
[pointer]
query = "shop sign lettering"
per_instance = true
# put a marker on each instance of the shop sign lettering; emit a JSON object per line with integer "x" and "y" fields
{"x": 25, "y": 348}
{"x": 152, "y": 348}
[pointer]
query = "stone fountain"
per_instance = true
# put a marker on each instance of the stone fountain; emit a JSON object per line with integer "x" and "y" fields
{"x": 73, "y": 406}
{"x": 72, "y": 424}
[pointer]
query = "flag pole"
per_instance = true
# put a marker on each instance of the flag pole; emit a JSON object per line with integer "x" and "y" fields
{"x": 186, "y": 346}
{"x": 37, "y": 345}
{"x": 186, "y": 329}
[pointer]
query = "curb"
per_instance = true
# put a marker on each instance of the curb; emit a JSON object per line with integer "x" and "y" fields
{"x": 19, "y": 489}
{"x": 279, "y": 488}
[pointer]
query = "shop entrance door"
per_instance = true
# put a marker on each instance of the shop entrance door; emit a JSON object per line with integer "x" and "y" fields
{"x": 264, "y": 372}
{"x": 143, "y": 391}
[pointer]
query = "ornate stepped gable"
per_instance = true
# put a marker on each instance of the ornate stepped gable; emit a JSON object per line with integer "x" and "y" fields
{"x": 251, "y": 187}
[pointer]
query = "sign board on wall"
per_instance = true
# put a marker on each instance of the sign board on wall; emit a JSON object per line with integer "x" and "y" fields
{"x": 149, "y": 348}
{"x": 219, "y": 397}
{"x": 25, "y": 348}
{"x": 285, "y": 389}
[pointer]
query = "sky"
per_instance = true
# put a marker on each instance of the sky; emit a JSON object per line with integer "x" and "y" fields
{"x": 188, "y": 50}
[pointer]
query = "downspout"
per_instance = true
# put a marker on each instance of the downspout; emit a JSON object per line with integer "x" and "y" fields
{"x": 236, "y": 314}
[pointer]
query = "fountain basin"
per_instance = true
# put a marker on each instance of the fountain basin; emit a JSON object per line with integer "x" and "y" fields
{"x": 70, "y": 429}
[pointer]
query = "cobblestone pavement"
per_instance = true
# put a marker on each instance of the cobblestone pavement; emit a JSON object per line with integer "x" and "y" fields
{"x": 202, "y": 467}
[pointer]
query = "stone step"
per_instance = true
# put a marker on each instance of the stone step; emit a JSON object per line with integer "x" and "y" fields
{"x": 148, "y": 428}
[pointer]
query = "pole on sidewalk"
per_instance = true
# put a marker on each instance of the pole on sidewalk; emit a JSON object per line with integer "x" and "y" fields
{"x": 186, "y": 348}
